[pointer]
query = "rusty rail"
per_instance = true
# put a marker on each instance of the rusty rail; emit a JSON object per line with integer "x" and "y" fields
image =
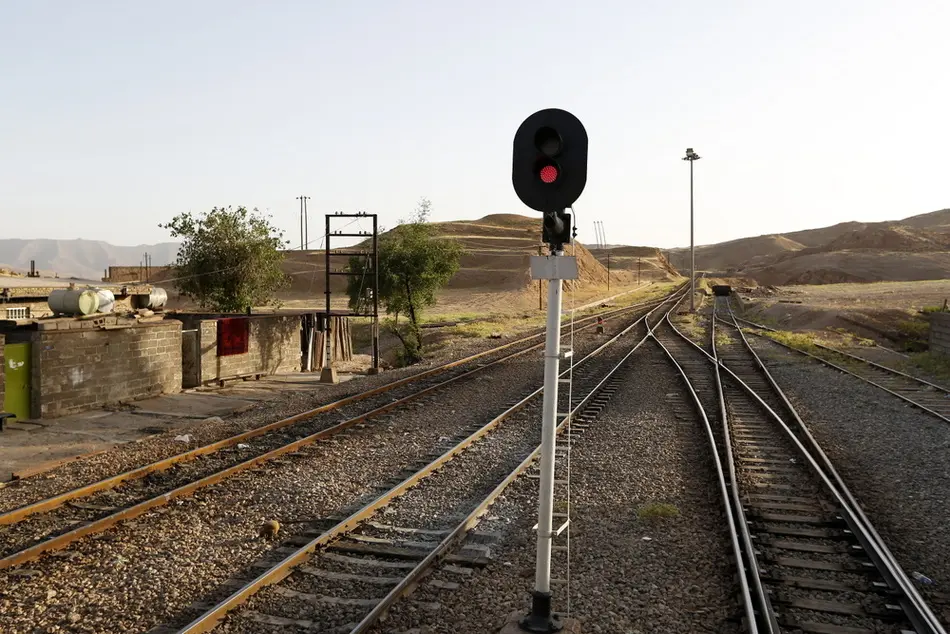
{"x": 210, "y": 619}
{"x": 17, "y": 514}
{"x": 60, "y": 541}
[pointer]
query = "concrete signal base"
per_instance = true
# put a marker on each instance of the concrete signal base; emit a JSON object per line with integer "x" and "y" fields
{"x": 328, "y": 375}
{"x": 512, "y": 625}
{"x": 372, "y": 371}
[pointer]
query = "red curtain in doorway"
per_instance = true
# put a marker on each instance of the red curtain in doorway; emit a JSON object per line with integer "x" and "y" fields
{"x": 233, "y": 335}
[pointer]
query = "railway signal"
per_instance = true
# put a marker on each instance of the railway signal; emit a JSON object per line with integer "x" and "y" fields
{"x": 548, "y": 172}
{"x": 549, "y": 169}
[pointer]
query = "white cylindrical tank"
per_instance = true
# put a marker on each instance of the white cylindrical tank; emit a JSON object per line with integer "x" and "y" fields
{"x": 73, "y": 301}
{"x": 153, "y": 301}
{"x": 106, "y": 300}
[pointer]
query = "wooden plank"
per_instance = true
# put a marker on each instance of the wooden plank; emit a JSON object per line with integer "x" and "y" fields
{"x": 475, "y": 562}
{"x": 807, "y": 583}
{"x": 794, "y": 519}
{"x": 375, "y": 563}
{"x": 809, "y": 564}
{"x": 347, "y": 576}
{"x": 368, "y": 539}
{"x": 406, "y": 529}
{"x": 267, "y": 619}
{"x": 322, "y": 598}
{"x": 92, "y": 507}
{"x": 829, "y": 628}
{"x": 801, "y": 546}
{"x": 443, "y": 585}
{"x": 819, "y": 533}
{"x": 378, "y": 550}
{"x": 819, "y": 605}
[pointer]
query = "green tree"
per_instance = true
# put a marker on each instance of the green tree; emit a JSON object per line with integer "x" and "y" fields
{"x": 414, "y": 263}
{"x": 229, "y": 259}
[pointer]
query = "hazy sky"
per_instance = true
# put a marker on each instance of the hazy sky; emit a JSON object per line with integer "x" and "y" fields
{"x": 115, "y": 116}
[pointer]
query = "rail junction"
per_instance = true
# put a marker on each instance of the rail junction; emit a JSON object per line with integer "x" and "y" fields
{"x": 808, "y": 557}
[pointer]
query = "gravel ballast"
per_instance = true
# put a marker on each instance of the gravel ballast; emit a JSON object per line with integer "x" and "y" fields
{"x": 893, "y": 457}
{"x": 628, "y": 573}
{"x": 146, "y": 571}
{"x": 127, "y": 456}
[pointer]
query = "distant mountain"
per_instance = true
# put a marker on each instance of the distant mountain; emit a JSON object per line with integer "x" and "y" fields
{"x": 79, "y": 258}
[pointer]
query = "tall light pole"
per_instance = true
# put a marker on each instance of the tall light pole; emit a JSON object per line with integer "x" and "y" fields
{"x": 691, "y": 156}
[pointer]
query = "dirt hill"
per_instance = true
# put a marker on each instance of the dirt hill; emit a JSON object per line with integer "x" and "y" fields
{"x": 494, "y": 272}
{"x": 650, "y": 261}
{"x": 915, "y": 248}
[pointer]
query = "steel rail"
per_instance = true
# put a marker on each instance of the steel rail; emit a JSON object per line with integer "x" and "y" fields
{"x": 406, "y": 586}
{"x": 733, "y": 509}
{"x": 103, "y": 523}
{"x": 211, "y": 618}
{"x": 767, "y": 609}
{"x": 915, "y": 606}
{"x": 834, "y": 365}
{"x": 15, "y": 515}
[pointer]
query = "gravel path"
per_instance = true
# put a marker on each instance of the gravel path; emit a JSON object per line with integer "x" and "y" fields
{"x": 145, "y": 571}
{"x": 893, "y": 458}
{"x": 637, "y": 453}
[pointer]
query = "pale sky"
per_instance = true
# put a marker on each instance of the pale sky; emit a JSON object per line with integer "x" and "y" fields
{"x": 115, "y": 116}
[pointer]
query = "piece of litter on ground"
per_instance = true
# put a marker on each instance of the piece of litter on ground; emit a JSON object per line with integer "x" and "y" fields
{"x": 242, "y": 445}
{"x": 647, "y": 539}
{"x": 183, "y": 438}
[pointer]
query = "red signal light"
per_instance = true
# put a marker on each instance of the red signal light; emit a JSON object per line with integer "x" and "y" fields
{"x": 548, "y": 174}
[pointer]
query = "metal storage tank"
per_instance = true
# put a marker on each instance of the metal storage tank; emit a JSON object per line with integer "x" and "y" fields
{"x": 73, "y": 301}
{"x": 153, "y": 301}
{"x": 106, "y": 300}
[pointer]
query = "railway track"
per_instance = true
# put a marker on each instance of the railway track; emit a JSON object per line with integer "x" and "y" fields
{"x": 930, "y": 397}
{"x": 811, "y": 560}
{"x": 343, "y": 574}
{"x": 53, "y": 523}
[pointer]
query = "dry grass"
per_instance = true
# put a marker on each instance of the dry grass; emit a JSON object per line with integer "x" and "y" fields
{"x": 723, "y": 338}
{"x": 657, "y": 510}
{"x": 691, "y": 325}
{"x": 935, "y": 365}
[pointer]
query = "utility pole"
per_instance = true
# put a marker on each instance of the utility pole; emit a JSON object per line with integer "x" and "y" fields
{"x": 601, "y": 237}
{"x": 638, "y": 270}
{"x": 691, "y": 157}
{"x": 303, "y": 221}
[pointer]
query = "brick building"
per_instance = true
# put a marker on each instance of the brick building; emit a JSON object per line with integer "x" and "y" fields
{"x": 65, "y": 365}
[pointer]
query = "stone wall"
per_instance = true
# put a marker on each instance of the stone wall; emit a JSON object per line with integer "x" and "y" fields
{"x": 273, "y": 348}
{"x": 123, "y": 274}
{"x": 76, "y": 370}
{"x": 940, "y": 333}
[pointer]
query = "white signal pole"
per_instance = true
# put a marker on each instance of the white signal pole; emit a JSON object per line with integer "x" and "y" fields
{"x": 555, "y": 268}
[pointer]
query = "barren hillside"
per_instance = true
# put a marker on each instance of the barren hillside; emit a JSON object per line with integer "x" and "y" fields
{"x": 651, "y": 262}
{"x": 915, "y": 248}
{"x": 878, "y": 252}
{"x": 494, "y": 273}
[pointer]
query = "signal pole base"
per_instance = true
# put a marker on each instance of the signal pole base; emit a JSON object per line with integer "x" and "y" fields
{"x": 514, "y": 625}
{"x": 328, "y": 375}
{"x": 372, "y": 371}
